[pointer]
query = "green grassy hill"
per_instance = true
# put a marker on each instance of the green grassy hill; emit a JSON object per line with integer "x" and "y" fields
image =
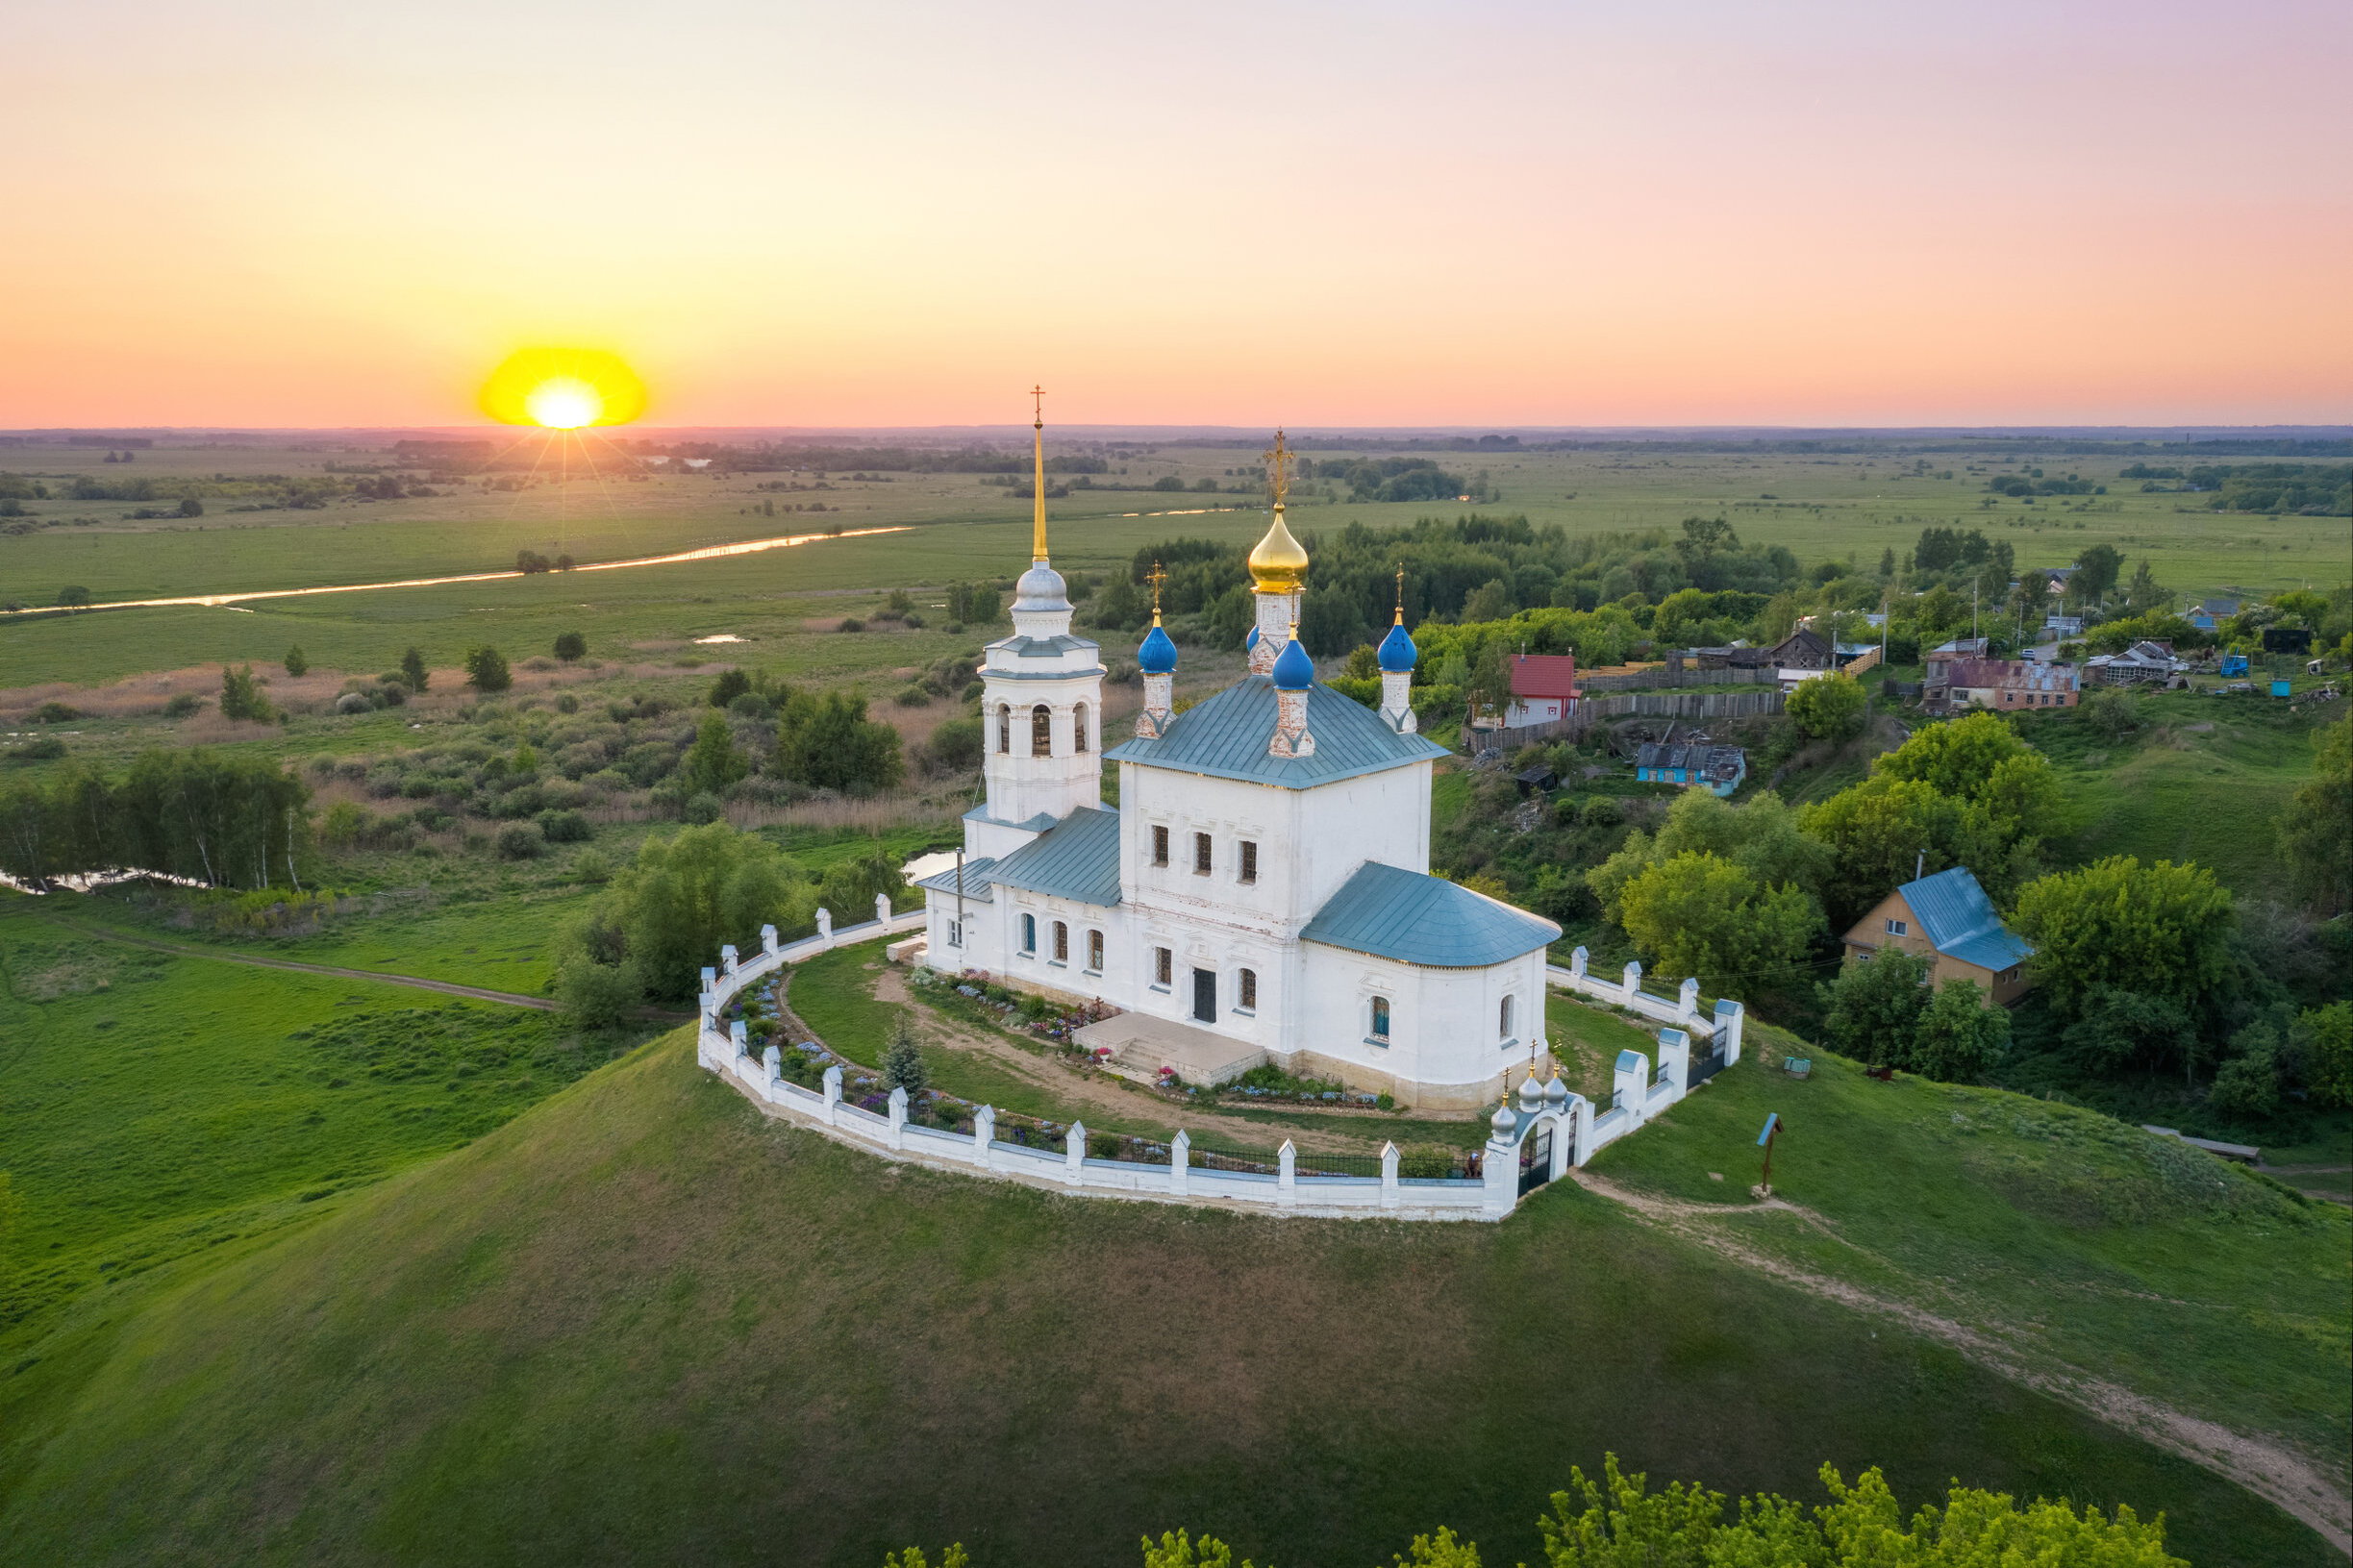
{"x": 640, "y": 1323}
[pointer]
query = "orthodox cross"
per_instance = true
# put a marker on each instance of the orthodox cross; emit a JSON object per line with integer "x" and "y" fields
{"x": 1155, "y": 577}
{"x": 1275, "y": 459}
{"x": 1038, "y": 394}
{"x": 1401, "y": 596}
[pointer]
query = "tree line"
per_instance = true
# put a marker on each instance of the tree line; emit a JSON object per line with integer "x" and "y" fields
{"x": 222, "y": 820}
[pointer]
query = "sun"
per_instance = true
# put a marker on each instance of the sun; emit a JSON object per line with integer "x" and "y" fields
{"x": 564, "y": 403}
{"x": 563, "y": 388}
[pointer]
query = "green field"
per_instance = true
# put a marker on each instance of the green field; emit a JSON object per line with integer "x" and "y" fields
{"x": 1823, "y": 506}
{"x": 641, "y": 1323}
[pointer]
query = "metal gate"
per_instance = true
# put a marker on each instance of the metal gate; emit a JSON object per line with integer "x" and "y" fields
{"x": 1705, "y": 1066}
{"x": 1536, "y": 1158}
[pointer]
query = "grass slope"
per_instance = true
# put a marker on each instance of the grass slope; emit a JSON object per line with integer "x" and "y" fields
{"x": 643, "y": 1324}
{"x": 2087, "y": 1245}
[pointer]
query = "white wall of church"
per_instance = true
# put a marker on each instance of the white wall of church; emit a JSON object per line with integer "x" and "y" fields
{"x": 1448, "y": 1047}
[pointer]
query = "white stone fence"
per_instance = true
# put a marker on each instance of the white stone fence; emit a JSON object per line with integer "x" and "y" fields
{"x": 1723, "y": 1033}
{"x": 1572, "y": 1131}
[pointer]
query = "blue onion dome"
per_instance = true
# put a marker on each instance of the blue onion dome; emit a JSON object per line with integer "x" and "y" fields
{"x": 1294, "y": 671}
{"x": 1251, "y": 641}
{"x": 1158, "y": 654}
{"x": 1398, "y": 651}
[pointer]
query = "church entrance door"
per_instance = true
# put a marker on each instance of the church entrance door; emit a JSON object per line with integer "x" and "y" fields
{"x": 1204, "y": 996}
{"x": 1536, "y": 1158}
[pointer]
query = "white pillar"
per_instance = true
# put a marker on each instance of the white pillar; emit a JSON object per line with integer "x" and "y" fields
{"x": 1180, "y": 1160}
{"x": 882, "y": 908}
{"x": 1286, "y": 1177}
{"x": 1581, "y": 1130}
{"x": 1153, "y": 721}
{"x": 833, "y": 1095}
{"x": 1729, "y": 1015}
{"x": 767, "y": 938}
{"x": 1390, "y": 1192}
{"x": 984, "y": 1134}
{"x": 727, "y": 960}
{"x": 1074, "y": 1153}
{"x": 736, "y": 1033}
{"x": 773, "y": 1060}
{"x": 825, "y": 926}
{"x": 899, "y": 1116}
{"x": 1563, "y": 1138}
{"x": 1576, "y": 963}
{"x": 1500, "y": 1176}
{"x": 1687, "y": 1002}
{"x": 1397, "y": 701}
{"x": 1631, "y": 1079}
{"x": 1632, "y": 980}
{"x": 1675, "y": 1060}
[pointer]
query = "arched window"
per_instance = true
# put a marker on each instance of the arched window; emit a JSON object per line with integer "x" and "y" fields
{"x": 1061, "y": 942}
{"x": 1041, "y": 732}
{"x": 1029, "y": 933}
{"x": 1078, "y": 727}
{"x": 1503, "y": 1024}
{"x": 1380, "y": 1019}
{"x": 1005, "y": 728}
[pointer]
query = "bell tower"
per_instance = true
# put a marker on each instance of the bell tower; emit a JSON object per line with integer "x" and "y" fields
{"x": 1041, "y": 702}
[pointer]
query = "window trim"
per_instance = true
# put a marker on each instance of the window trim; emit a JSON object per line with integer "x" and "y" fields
{"x": 1160, "y": 844}
{"x": 1095, "y": 951}
{"x": 1245, "y": 993}
{"x": 1249, "y": 860}
{"x": 1062, "y": 941}
{"x": 1204, "y": 855}
{"x": 1163, "y": 968}
{"x": 1382, "y": 1020}
{"x": 1029, "y": 936}
{"x": 1898, "y": 928}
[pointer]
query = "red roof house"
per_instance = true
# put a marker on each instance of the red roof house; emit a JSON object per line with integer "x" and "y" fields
{"x": 1542, "y": 686}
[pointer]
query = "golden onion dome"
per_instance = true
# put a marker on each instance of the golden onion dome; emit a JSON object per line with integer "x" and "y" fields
{"x": 1278, "y": 565}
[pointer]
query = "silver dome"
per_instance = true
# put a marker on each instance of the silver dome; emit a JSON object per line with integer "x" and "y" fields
{"x": 1042, "y": 587}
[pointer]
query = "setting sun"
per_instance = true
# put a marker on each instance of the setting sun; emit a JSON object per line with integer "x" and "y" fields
{"x": 563, "y": 388}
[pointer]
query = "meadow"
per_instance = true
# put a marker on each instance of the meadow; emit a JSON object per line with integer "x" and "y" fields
{"x": 1820, "y": 505}
{"x": 641, "y": 1323}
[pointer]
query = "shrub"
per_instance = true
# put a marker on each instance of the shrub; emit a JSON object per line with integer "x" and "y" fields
{"x": 731, "y": 684}
{"x": 1828, "y": 707}
{"x": 55, "y": 713}
{"x": 912, "y": 696}
{"x": 570, "y": 646}
{"x": 354, "y": 702}
{"x": 565, "y": 828}
{"x": 412, "y": 673}
{"x": 182, "y": 705}
{"x": 852, "y": 623}
{"x": 566, "y": 703}
{"x": 73, "y": 596}
{"x": 703, "y": 807}
{"x": 48, "y": 749}
{"x": 520, "y": 841}
{"x": 295, "y": 663}
{"x": 955, "y": 747}
{"x": 241, "y": 696}
{"x": 486, "y": 672}
{"x": 2112, "y": 712}
{"x": 903, "y": 1065}
{"x": 597, "y": 994}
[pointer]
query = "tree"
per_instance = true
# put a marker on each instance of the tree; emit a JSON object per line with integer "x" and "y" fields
{"x": 241, "y": 696}
{"x": 1960, "y": 1033}
{"x": 413, "y": 669}
{"x": 2142, "y": 592}
{"x": 731, "y": 684}
{"x": 1979, "y": 759}
{"x": 1874, "y": 1006}
{"x": 2163, "y": 931}
{"x": 2095, "y": 573}
{"x": 713, "y": 762}
{"x": 486, "y": 672}
{"x": 1883, "y": 832}
{"x": 2315, "y": 833}
{"x": 687, "y": 895}
{"x": 191, "y": 507}
{"x": 1492, "y": 601}
{"x": 1700, "y": 914}
{"x": 295, "y": 663}
{"x": 828, "y": 743}
{"x": 571, "y": 646}
{"x": 903, "y": 1059}
{"x": 73, "y": 596}
{"x": 2320, "y": 1042}
{"x": 1828, "y": 707}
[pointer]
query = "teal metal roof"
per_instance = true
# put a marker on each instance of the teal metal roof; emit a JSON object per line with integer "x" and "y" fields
{"x": 975, "y": 881}
{"x": 1226, "y": 735}
{"x": 1393, "y": 914}
{"x": 1076, "y": 859}
{"x": 1960, "y": 921}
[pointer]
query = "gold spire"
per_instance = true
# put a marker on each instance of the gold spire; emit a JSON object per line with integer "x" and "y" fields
{"x": 1400, "y": 596}
{"x": 1278, "y": 565}
{"x": 1037, "y": 523}
{"x": 1157, "y": 577}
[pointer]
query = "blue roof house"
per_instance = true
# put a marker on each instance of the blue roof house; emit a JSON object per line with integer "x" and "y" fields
{"x": 1947, "y": 915}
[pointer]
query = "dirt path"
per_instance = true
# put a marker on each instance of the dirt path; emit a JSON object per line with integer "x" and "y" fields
{"x": 2266, "y": 1468}
{"x": 476, "y": 993}
{"x": 1091, "y": 1090}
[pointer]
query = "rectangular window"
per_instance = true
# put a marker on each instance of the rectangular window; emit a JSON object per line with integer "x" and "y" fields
{"x": 1897, "y": 928}
{"x": 956, "y": 933}
{"x": 1094, "y": 950}
{"x": 1249, "y": 990}
{"x": 1200, "y": 855}
{"x": 1249, "y": 860}
{"x": 1061, "y": 942}
{"x": 1380, "y": 1020}
{"x": 1029, "y": 933}
{"x": 1160, "y": 846}
{"x": 1164, "y": 965}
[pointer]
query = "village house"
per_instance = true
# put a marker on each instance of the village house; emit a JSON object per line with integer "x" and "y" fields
{"x": 1949, "y": 917}
{"x": 1692, "y": 764}
{"x": 2002, "y": 684}
{"x": 2149, "y": 661}
{"x": 1544, "y": 689}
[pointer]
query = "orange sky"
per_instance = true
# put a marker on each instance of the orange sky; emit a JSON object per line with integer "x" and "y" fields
{"x": 268, "y": 213}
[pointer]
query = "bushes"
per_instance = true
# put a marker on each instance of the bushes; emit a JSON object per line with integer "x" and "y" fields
{"x": 685, "y": 897}
{"x": 560, "y": 827}
{"x": 955, "y": 747}
{"x": 520, "y": 841}
{"x": 1828, "y": 707}
{"x": 571, "y": 647}
{"x": 485, "y": 671}
{"x": 241, "y": 696}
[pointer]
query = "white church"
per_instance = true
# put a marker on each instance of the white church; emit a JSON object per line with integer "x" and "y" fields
{"x": 1263, "y": 892}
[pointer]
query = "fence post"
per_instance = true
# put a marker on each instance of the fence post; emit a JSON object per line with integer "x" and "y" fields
{"x": 1630, "y": 1086}
{"x": 736, "y": 1032}
{"x": 1074, "y": 1155}
{"x": 1577, "y": 961}
{"x": 899, "y": 1116}
{"x": 882, "y": 908}
{"x": 984, "y": 1134}
{"x": 1180, "y": 1159}
{"x": 1390, "y": 1191}
{"x": 1563, "y": 1138}
{"x": 1580, "y": 1130}
{"x": 767, "y": 938}
{"x": 1632, "y": 982}
{"x": 825, "y": 926}
{"x": 772, "y": 1060}
{"x": 1728, "y": 1017}
{"x": 1499, "y": 1175}
{"x": 727, "y": 960}
{"x": 1287, "y": 1174}
{"x": 833, "y": 1095}
{"x": 1687, "y": 1002}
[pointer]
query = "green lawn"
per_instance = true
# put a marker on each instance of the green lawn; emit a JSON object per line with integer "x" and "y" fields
{"x": 2086, "y": 1244}
{"x": 642, "y": 1322}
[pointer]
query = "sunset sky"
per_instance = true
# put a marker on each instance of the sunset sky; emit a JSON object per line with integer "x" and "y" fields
{"x": 282, "y": 213}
